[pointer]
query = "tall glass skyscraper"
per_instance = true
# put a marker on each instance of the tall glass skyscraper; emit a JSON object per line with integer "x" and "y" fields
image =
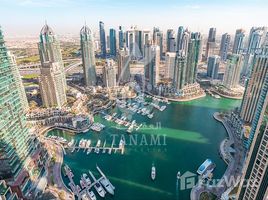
{"x": 121, "y": 36}
{"x": 238, "y": 41}
{"x": 225, "y": 44}
{"x": 179, "y": 37}
{"x": 123, "y": 65}
{"x": 52, "y": 80}
{"x": 15, "y": 141}
{"x": 102, "y": 39}
{"x": 254, "y": 85}
{"x": 88, "y": 56}
{"x": 213, "y": 66}
{"x": 170, "y": 41}
{"x": 179, "y": 72}
{"x": 211, "y": 42}
{"x": 158, "y": 39}
{"x": 232, "y": 71}
{"x": 192, "y": 57}
{"x": 113, "y": 42}
{"x": 254, "y": 180}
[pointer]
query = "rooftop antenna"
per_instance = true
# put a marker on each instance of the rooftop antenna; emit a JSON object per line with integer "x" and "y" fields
{"x": 45, "y": 22}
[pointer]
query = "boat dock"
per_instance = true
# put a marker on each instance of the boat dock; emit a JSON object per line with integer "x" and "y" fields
{"x": 98, "y": 184}
{"x": 97, "y": 149}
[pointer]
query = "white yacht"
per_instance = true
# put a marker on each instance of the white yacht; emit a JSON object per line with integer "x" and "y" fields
{"x": 153, "y": 173}
{"x": 99, "y": 189}
{"x": 178, "y": 175}
{"x": 91, "y": 195}
{"x": 107, "y": 185}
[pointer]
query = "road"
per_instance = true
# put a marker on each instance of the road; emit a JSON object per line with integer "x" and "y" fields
{"x": 37, "y": 70}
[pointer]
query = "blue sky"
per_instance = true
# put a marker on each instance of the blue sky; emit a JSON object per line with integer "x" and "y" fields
{"x": 23, "y": 17}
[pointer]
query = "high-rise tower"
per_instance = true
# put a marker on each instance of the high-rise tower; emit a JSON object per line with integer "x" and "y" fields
{"x": 232, "y": 71}
{"x": 254, "y": 180}
{"x": 238, "y": 41}
{"x": 213, "y": 66}
{"x": 52, "y": 79}
{"x": 113, "y": 42}
{"x": 15, "y": 141}
{"x": 225, "y": 43}
{"x": 88, "y": 56}
{"x": 102, "y": 39}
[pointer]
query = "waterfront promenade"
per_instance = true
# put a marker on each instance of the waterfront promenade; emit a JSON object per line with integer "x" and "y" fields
{"x": 58, "y": 185}
{"x": 234, "y": 169}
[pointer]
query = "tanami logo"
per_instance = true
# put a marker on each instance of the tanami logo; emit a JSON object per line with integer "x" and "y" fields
{"x": 142, "y": 139}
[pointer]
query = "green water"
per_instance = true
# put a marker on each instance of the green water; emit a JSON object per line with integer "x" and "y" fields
{"x": 192, "y": 135}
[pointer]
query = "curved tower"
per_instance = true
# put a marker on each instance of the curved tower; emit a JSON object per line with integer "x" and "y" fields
{"x": 88, "y": 56}
{"x": 52, "y": 80}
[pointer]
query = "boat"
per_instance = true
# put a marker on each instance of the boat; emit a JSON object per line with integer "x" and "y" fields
{"x": 89, "y": 150}
{"x": 153, "y": 173}
{"x": 88, "y": 143}
{"x": 130, "y": 129}
{"x": 91, "y": 195}
{"x": 107, "y": 185}
{"x": 71, "y": 143}
{"x": 150, "y": 115}
{"x": 97, "y": 150}
{"x": 178, "y": 175}
{"x": 82, "y": 183}
{"x": 84, "y": 196}
{"x": 86, "y": 179}
{"x": 217, "y": 96}
{"x": 99, "y": 189}
{"x": 204, "y": 166}
{"x": 104, "y": 150}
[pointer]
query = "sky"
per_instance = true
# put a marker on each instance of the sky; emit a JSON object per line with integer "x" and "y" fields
{"x": 26, "y": 17}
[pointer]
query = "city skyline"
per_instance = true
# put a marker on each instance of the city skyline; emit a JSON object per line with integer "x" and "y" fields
{"x": 25, "y": 17}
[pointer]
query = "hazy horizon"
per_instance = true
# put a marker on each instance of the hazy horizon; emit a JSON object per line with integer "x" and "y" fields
{"x": 26, "y": 17}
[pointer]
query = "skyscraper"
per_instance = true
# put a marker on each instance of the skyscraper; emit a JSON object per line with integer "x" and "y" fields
{"x": 238, "y": 41}
{"x": 52, "y": 79}
{"x": 109, "y": 73}
{"x": 192, "y": 57}
{"x": 112, "y": 42}
{"x": 179, "y": 72}
{"x": 213, "y": 66}
{"x": 254, "y": 184}
{"x": 152, "y": 64}
{"x": 256, "y": 39}
{"x": 16, "y": 143}
{"x": 225, "y": 43}
{"x": 121, "y": 36}
{"x": 158, "y": 39}
{"x": 134, "y": 42}
{"x": 170, "y": 41}
{"x": 18, "y": 81}
{"x": 102, "y": 39}
{"x": 170, "y": 64}
{"x": 211, "y": 42}
{"x": 88, "y": 56}
{"x": 123, "y": 65}
{"x": 179, "y": 38}
{"x": 185, "y": 42}
{"x": 212, "y": 35}
{"x": 254, "y": 85}
{"x": 232, "y": 71}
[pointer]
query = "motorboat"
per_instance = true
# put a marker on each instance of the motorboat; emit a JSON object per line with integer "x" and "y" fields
{"x": 99, "y": 189}
{"x": 153, "y": 173}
